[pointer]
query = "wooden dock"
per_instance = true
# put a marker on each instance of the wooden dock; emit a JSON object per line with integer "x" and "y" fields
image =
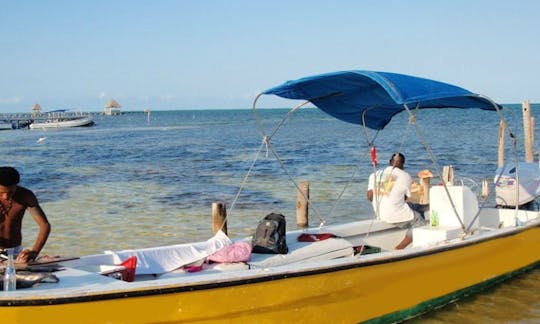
{"x": 17, "y": 121}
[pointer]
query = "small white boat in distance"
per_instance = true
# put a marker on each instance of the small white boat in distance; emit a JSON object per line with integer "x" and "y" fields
{"x": 61, "y": 123}
{"x": 5, "y": 125}
{"x": 60, "y": 119}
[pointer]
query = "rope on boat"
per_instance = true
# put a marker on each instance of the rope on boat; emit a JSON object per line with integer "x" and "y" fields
{"x": 515, "y": 153}
{"x": 373, "y": 152}
{"x": 266, "y": 143}
{"x": 482, "y": 204}
{"x": 270, "y": 148}
{"x": 343, "y": 191}
{"x": 434, "y": 161}
{"x": 276, "y": 155}
{"x": 244, "y": 181}
{"x": 516, "y": 161}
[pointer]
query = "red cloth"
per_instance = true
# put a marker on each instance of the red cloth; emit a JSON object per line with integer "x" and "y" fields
{"x": 305, "y": 237}
{"x": 130, "y": 264}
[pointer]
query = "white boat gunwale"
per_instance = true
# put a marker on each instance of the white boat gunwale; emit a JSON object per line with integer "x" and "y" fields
{"x": 187, "y": 283}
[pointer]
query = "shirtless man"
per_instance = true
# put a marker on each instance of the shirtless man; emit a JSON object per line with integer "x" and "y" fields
{"x": 14, "y": 201}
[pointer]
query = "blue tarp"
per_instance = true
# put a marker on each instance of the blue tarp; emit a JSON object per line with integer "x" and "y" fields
{"x": 375, "y": 97}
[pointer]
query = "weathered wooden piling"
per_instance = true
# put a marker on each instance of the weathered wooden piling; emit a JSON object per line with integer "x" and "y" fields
{"x": 424, "y": 183}
{"x": 219, "y": 217}
{"x": 448, "y": 174}
{"x": 302, "y": 205}
{"x": 147, "y": 111}
{"x": 485, "y": 189}
{"x": 502, "y": 129}
{"x": 527, "y": 130}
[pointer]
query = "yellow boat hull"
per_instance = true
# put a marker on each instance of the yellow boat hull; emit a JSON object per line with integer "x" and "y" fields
{"x": 381, "y": 290}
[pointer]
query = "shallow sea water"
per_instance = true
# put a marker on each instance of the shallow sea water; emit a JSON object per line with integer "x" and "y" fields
{"x": 128, "y": 183}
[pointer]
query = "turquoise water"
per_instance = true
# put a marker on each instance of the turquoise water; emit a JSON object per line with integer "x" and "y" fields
{"x": 134, "y": 182}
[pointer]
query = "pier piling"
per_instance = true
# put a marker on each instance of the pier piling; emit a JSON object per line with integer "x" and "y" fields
{"x": 302, "y": 205}
{"x": 527, "y": 130}
{"x": 219, "y": 217}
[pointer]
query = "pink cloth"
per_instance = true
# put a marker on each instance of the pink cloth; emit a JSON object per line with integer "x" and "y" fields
{"x": 236, "y": 252}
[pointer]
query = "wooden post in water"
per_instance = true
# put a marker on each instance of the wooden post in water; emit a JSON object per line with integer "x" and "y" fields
{"x": 448, "y": 175}
{"x": 485, "y": 189}
{"x": 502, "y": 129}
{"x": 219, "y": 217}
{"x": 302, "y": 197}
{"x": 532, "y": 136}
{"x": 526, "y": 107}
{"x": 147, "y": 111}
{"x": 425, "y": 179}
{"x": 424, "y": 183}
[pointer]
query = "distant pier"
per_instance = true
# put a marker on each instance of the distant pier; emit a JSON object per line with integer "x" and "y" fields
{"x": 17, "y": 121}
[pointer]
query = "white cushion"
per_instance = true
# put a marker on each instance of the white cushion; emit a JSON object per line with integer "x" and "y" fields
{"x": 304, "y": 251}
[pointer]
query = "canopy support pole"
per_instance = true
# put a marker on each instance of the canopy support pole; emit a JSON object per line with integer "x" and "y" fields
{"x": 269, "y": 147}
{"x": 435, "y": 164}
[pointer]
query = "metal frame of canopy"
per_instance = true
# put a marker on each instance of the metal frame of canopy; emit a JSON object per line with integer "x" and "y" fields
{"x": 449, "y": 97}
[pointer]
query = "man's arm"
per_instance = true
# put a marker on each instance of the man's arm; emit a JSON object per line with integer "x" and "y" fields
{"x": 371, "y": 185}
{"x": 369, "y": 195}
{"x": 44, "y": 229}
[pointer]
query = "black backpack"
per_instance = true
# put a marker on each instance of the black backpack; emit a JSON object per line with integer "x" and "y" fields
{"x": 269, "y": 237}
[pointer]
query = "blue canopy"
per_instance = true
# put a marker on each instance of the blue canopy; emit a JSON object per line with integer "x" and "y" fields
{"x": 374, "y": 98}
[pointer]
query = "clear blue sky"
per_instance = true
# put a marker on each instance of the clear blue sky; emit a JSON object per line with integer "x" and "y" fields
{"x": 219, "y": 54}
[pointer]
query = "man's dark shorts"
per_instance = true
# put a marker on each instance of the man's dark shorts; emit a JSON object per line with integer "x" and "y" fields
{"x": 417, "y": 221}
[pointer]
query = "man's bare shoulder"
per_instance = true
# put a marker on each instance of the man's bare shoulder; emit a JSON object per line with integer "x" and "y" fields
{"x": 25, "y": 197}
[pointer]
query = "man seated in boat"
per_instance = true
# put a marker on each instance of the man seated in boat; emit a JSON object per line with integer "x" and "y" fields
{"x": 388, "y": 190}
{"x": 14, "y": 201}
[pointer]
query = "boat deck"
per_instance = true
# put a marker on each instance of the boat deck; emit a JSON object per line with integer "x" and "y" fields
{"x": 82, "y": 278}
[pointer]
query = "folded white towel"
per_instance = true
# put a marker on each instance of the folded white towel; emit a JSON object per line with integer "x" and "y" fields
{"x": 163, "y": 259}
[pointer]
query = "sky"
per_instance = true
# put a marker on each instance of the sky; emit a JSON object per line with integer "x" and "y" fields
{"x": 165, "y": 55}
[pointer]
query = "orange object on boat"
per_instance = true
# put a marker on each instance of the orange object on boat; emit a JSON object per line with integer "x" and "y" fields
{"x": 425, "y": 174}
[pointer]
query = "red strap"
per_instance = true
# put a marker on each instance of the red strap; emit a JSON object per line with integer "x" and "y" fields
{"x": 305, "y": 237}
{"x": 131, "y": 265}
{"x": 374, "y": 156}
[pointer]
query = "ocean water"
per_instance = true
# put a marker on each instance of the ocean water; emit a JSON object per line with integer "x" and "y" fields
{"x": 138, "y": 181}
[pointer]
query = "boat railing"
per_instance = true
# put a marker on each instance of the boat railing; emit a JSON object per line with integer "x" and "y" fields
{"x": 59, "y": 115}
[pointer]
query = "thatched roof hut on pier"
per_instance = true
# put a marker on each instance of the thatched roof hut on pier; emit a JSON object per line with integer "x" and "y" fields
{"x": 112, "y": 108}
{"x": 36, "y": 109}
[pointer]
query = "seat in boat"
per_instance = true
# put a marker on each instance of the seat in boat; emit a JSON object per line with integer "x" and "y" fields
{"x": 304, "y": 251}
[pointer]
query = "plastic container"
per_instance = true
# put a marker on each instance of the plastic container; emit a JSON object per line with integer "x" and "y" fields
{"x": 434, "y": 219}
{"x": 10, "y": 277}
